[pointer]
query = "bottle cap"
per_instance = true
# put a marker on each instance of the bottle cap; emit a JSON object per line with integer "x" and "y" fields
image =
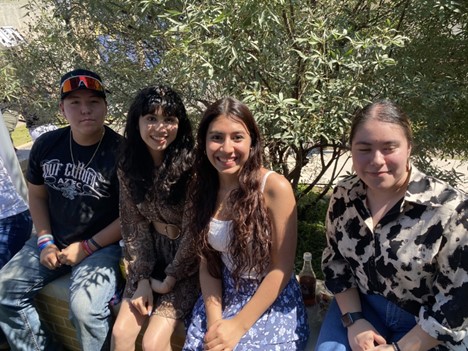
{"x": 307, "y": 256}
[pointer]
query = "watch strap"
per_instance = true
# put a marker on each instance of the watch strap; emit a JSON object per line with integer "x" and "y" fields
{"x": 349, "y": 318}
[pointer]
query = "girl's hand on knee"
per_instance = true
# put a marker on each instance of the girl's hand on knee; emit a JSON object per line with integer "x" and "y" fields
{"x": 362, "y": 336}
{"x": 142, "y": 299}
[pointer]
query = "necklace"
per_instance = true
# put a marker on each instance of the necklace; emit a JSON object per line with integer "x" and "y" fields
{"x": 95, "y": 151}
{"x": 224, "y": 207}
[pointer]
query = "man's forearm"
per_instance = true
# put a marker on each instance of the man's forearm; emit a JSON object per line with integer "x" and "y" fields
{"x": 109, "y": 235}
{"x": 39, "y": 210}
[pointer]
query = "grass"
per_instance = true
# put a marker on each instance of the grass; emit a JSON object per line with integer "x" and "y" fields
{"x": 20, "y": 135}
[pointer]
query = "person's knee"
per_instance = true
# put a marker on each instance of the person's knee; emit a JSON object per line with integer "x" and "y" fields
{"x": 88, "y": 306}
{"x": 120, "y": 332}
{"x": 83, "y": 313}
{"x": 332, "y": 336}
{"x": 158, "y": 334}
{"x": 330, "y": 346}
{"x": 152, "y": 342}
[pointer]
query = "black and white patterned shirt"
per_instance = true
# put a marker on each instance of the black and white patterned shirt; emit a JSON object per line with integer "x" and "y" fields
{"x": 416, "y": 256}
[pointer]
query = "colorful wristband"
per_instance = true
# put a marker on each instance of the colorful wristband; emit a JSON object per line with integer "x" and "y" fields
{"x": 45, "y": 244}
{"x": 86, "y": 248}
{"x": 95, "y": 244}
{"x": 43, "y": 238}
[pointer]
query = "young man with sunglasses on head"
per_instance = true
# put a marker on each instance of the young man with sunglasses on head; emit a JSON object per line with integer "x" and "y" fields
{"x": 73, "y": 199}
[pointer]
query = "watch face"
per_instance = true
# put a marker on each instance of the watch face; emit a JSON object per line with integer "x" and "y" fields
{"x": 346, "y": 320}
{"x": 349, "y": 318}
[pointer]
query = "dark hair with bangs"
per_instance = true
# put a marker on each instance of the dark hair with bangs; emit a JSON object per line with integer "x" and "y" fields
{"x": 251, "y": 223}
{"x": 135, "y": 159}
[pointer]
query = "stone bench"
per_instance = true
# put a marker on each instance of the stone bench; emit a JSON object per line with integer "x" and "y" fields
{"x": 53, "y": 306}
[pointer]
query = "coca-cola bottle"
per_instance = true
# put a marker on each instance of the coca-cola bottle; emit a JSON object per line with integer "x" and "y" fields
{"x": 307, "y": 280}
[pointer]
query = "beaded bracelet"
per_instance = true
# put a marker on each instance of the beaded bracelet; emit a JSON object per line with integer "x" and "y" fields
{"x": 396, "y": 346}
{"x": 95, "y": 244}
{"x": 86, "y": 248}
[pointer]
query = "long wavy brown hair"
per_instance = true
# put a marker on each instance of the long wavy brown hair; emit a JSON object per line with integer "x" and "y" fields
{"x": 251, "y": 240}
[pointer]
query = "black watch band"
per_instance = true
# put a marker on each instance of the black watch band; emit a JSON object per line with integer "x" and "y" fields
{"x": 349, "y": 318}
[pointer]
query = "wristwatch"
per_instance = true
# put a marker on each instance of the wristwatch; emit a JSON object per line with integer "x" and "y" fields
{"x": 349, "y": 318}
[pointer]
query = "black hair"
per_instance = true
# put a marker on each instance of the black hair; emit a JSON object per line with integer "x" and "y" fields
{"x": 135, "y": 159}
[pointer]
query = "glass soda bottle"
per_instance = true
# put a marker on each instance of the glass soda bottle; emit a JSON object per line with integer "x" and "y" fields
{"x": 307, "y": 280}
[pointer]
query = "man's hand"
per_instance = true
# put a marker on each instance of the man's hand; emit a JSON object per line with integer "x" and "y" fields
{"x": 72, "y": 254}
{"x": 49, "y": 257}
{"x": 363, "y": 336}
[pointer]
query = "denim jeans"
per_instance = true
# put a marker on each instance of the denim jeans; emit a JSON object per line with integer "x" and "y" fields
{"x": 14, "y": 231}
{"x": 388, "y": 319}
{"x": 93, "y": 283}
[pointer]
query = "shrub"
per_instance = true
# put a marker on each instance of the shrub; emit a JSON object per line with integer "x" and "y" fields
{"x": 311, "y": 231}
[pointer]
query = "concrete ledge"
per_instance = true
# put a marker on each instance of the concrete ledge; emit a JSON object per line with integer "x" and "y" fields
{"x": 53, "y": 306}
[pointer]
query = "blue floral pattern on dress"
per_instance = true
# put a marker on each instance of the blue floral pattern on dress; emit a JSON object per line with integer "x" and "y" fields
{"x": 283, "y": 327}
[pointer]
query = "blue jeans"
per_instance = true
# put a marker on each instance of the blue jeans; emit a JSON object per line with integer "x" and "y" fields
{"x": 93, "y": 283}
{"x": 14, "y": 231}
{"x": 387, "y": 318}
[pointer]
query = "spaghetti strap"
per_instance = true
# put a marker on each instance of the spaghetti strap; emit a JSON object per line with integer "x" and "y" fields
{"x": 262, "y": 187}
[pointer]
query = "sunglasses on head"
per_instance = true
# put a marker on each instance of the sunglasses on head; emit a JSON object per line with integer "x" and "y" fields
{"x": 88, "y": 82}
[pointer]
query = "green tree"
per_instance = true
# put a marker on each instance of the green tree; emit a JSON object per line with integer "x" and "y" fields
{"x": 303, "y": 67}
{"x": 431, "y": 80}
{"x": 71, "y": 34}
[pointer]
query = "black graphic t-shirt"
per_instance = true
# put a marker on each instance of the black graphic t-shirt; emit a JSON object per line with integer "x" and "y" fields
{"x": 83, "y": 198}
